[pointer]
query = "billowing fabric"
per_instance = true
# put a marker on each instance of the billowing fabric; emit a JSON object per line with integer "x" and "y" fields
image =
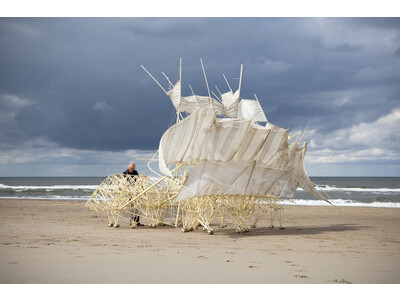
{"x": 234, "y": 157}
{"x": 184, "y": 141}
{"x": 249, "y": 177}
{"x": 175, "y": 95}
{"x": 224, "y": 139}
{"x": 253, "y": 142}
{"x": 216, "y": 178}
{"x": 229, "y": 107}
{"x": 274, "y": 147}
{"x": 201, "y": 136}
{"x": 251, "y": 109}
{"x": 191, "y": 103}
{"x": 230, "y": 102}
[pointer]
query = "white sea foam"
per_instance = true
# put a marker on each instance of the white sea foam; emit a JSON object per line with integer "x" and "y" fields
{"x": 339, "y": 203}
{"x": 47, "y": 188}
{"x": 329, "y": 188}
{"x": 49, "y": 197}
{"x": 295, "y": 202}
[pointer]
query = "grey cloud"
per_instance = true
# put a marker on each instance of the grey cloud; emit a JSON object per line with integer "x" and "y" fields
{"x": 382, "y": 23}
{"x": 348, "y": 48}
{"x": 87, "y": 89}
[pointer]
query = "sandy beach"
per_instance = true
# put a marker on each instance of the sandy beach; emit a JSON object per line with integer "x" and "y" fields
{"x": 64, "y": 242}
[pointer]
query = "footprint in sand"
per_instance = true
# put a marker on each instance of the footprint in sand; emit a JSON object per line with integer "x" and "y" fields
{"x": 342, "y": 281}
{"x": 301, "y": 276}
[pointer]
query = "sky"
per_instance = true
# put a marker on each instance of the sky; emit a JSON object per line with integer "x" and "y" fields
{"x": 74, "y": 100}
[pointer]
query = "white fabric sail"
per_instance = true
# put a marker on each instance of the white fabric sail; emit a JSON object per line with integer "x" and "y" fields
{"x": 228, "y": 107}
{"x": 230, "y": 102}
{"x": 224, "y": 139}
{"x": 201, "y": 136}
{"x": 184, "y": 141}
{"x": 234, "y": 156}
{"x": 249, "y": 177}
{"x": 191, "y": 103}
{"x": 252, "y": 143}
{"x": 251, "y": 109}
{"x": 175, "y": 95}
{"x": 276, "y": 142}
{"x": 217, "y": 178}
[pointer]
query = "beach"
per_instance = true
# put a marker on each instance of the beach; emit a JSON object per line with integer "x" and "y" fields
{"x": 50, "y": 241}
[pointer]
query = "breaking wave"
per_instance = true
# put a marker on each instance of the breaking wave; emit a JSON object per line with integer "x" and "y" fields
{"x": 368, "y": 192}
{"x": 340, "y": 203}
{"x": 328, "y": 188}
{"x": 48, "y": 188}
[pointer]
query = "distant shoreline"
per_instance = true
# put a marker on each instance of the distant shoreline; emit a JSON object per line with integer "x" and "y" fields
{"x": 284, "y": 203}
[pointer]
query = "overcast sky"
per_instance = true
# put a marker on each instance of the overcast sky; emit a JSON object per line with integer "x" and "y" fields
{"x": 75, "y": 102}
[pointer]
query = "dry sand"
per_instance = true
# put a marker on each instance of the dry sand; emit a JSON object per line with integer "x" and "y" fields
{"x": 63, "y": 242}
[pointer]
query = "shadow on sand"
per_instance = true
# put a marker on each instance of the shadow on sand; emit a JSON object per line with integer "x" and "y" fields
{"x": 291, "y": 231}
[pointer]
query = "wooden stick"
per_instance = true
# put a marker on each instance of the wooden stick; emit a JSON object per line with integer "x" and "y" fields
{"x": 177, "y": 215}
{"x": 152, "y": 160}
{"x": 205, "y": 77}
{"x": 240, "y": 80}
{"x": 154, "y": 79}
{"x": 292, "y": 136}
{"x": 305, "y": 129}
{"x": 227, "y": 82}
{"x": 191, "y": 89}
{"x": 298, "y": 135}
{"x": 216, "y": 96}
{"x": 146, "y": 190}
{"x": 218, "y": 91}
{"x": 167, "y": 79}
{"x": 180, "y": 70}
{"x": 178, "y": 112}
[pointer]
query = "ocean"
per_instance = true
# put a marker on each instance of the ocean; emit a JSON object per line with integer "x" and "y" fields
{"x": 344, "y": 191}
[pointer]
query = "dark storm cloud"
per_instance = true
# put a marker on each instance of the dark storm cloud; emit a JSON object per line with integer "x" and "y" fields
{"x": 79, "y": 83}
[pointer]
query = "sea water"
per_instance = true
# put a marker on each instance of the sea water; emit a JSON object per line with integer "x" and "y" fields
{"x": 343, "y": 191}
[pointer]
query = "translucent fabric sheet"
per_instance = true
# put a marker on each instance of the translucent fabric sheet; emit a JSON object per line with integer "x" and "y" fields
{"x": 251, "y": 109}
{"x": 231, "y": 103}
{"x": 249, "y": 177}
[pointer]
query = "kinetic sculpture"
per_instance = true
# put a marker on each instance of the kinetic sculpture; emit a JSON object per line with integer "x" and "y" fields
{"x": 226, "y": 165}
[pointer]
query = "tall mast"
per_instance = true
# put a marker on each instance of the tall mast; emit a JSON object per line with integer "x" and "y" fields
{"x": 169, "y": 81}
{"x": 180, "y": 69}
{"x": 205, "y": 77}
{"x": 154, "y": 79}
{"x": 191, "y": 89}
{"x": 240, "y": 80}
{"x": 208, "y": 89}
{"x": 178, "y": 110}
{"x": 227, "y": 82}
{"x": 218, "y": 91}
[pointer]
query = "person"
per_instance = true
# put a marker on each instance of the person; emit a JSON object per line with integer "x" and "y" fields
{"x": 131, "y": 170}
{"x": 134, "y": 216}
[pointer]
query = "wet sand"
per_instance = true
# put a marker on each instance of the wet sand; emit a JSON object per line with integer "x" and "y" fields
{"x": 63, "y": 242}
